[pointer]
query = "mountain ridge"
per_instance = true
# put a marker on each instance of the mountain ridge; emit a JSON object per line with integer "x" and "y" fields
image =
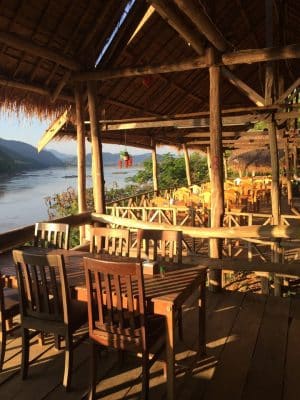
{"x": 17, "y": 156}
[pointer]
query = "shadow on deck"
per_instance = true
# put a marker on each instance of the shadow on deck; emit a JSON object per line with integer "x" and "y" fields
{"x": 253, "y": 352}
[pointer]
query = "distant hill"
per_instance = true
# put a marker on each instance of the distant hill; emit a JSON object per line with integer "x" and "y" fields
{"x": 113, "y": 158}
{"x": 62, "y": 156}
{"x": 17, "y": 156}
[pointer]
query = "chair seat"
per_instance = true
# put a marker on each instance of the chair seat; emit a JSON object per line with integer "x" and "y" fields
{"x": 111, "y": 333}
{"x": 78, "y": 313}
{"x": 11, "y": 301}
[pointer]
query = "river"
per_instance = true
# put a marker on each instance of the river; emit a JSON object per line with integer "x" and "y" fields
{"x": 22, "y": 196}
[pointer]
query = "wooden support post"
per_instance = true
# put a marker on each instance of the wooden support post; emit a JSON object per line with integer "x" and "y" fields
{"x": 217, "y": 184}
{"x": 269, "y": 98}
{"x": 208, "y": 162}
{"x": 154, "y": 171}
{"x": 97, "y": 163}
{"x": 187, "y": 164}
{"x": 288, "y": 174}
{"x": 81, "y": 180}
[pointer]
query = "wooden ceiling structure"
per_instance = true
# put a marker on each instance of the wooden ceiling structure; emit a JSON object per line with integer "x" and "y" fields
{"x": 152, "y": 82}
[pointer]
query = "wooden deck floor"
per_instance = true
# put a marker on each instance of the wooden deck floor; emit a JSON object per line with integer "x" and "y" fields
{"x": 253, "y": 352}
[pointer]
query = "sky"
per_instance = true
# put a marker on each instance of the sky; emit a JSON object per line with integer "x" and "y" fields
{"x": 31, "y": 130}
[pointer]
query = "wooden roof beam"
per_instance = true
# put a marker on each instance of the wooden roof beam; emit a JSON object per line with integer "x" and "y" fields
{"x": 250, "y": 56}
{"x": 204, "y": 24}
{"x": 126, "y": 72}
{"x": 33, "y": 88}
{"x": 169, "y": 13}
{"x": 288, "y": 91}
{"x": 243, "y": 87}
{"x": 18, "y": 42}
{"x": 187, "y": 123}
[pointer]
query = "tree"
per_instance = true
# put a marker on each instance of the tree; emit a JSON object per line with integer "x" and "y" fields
{"x": 171, "y": 171}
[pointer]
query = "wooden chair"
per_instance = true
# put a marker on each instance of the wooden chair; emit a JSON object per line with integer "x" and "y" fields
{"x": 168, "y": 242}
{"x": 117, "y": 314}
{"x": 45, "y": 304}
{"x": 51, "y": 235}
{"x": 109, "y": 241}
{"x": 9, "y": 308}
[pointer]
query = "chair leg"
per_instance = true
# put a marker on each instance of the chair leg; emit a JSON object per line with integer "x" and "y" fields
{"x": 145, "y": 376}
{"x": 2, "y": 343}
{"x": 57, "y": 341}
{"x": 68, "y": 361}
{"x": 25, "y": 353}
{"x": 93, "y": 371}
{"x": 180, "y": 325}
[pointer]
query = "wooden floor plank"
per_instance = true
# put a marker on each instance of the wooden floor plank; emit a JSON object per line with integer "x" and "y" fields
{"x": 237, "y": 343}
{"x": 219, "y": 325}
{"x": 292, "y": 371}
{"x": 265, "y": 377}
{"x": 45, "y": 373}
{"x": 229, "y": 379}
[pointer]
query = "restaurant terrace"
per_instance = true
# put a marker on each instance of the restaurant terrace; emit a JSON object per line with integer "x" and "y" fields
{"x": 200, "y": 281}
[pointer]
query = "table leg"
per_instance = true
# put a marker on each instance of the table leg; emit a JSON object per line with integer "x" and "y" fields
{"x": 170, "y": 352}
{"x": 202, "y": 319}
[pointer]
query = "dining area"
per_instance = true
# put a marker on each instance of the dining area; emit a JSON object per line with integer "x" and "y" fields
{"x": 103, "y": 300}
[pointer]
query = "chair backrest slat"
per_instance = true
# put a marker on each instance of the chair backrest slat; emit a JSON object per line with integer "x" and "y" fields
{"x": 160, "y": 244}
{"x": 51, "y": 235}
{"x": 110, "y": 241}
{"x": 42, "y": 285}
{"x": 116, "y": 284}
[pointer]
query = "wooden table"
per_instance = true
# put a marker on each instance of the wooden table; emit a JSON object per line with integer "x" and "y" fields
{"x": 164, "y": 296}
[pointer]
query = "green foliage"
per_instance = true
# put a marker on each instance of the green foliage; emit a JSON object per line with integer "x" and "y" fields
{"x": 171, "y": 171}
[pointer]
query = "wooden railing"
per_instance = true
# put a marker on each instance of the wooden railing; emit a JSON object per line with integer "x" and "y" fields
{"x": 19, "y": 236}
{"x": 141, "y": 199}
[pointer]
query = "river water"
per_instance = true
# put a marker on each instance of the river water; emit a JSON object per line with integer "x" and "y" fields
{"x": 22, "y": 196}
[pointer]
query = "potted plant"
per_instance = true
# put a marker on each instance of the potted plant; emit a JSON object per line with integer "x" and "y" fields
{"x": 124, "y": 155}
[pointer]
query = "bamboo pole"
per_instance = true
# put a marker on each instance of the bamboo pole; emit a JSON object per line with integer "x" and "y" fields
{"x": 288, "y": 174}
{"x": 81, "y": 173}
{"x": 154, "y": 171}
{"x": 187, "y": 164}
{"x": 97, "y": 163}
{"x": 217, "y": 187}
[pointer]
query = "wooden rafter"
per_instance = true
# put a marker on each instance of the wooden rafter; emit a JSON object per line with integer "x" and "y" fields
{"x": 20, "y": 43}
{"x": 169, "y": 13}
{"x": 243, "y": 87}
{"x": 204, "y": 24}
{"x": 238, "y": 57}
{"x": 288, "y": 91}
{"x": 53, "y": 129}
{"x": 41, "y": 90}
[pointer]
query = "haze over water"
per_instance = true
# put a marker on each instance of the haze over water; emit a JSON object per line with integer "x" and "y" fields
{"x": 22, "y": 196}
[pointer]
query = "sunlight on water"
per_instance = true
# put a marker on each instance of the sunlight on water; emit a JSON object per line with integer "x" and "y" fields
{"x": 22, "y": 196}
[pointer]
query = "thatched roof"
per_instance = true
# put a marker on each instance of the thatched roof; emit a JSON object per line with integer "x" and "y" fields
{"x": 258, "y": 161}
{"x": 46, "y": 43}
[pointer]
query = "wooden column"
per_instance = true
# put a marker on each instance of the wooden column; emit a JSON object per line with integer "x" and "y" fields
{"x": 217, "y": 184}
{"x": 187, "y": 164}
{"x": 288, "y": 174}
{"x": 81, "y": 171}
{"x": 97, "y": 163}
{"x": 275, "y": 190}
{"x": 208, "y": 162}
{"x": 154, "y": 171}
